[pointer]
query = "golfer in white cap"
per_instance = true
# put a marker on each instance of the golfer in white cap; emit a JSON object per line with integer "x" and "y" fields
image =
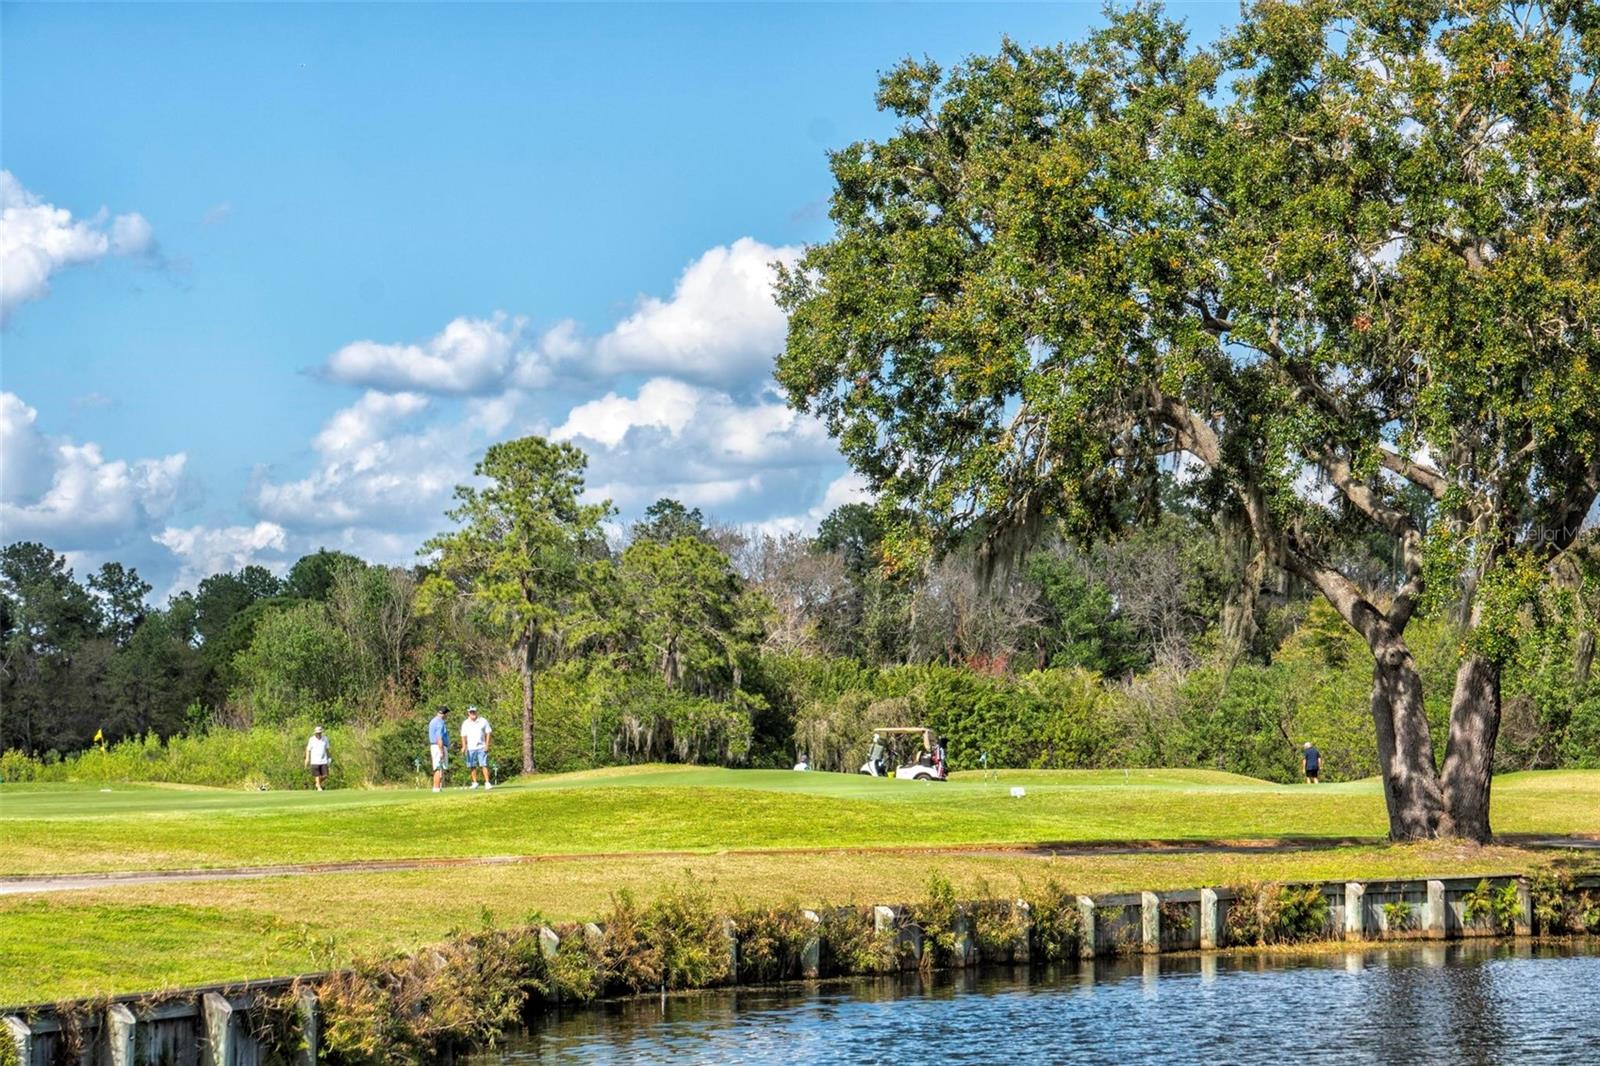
{"x": 317, "y": 757}
{"x": 475, "y": 734}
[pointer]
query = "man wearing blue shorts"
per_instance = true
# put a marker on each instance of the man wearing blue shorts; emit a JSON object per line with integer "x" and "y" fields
{"x": 438, "y": 747}
{"x": 475, "y": 734}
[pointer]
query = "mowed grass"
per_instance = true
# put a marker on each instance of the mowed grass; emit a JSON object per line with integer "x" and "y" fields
{"x": 147, "y": 938}
{"x": 54, "y": 829}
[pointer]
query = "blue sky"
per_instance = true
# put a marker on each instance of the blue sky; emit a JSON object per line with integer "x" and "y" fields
{"x": 275, "y": 275}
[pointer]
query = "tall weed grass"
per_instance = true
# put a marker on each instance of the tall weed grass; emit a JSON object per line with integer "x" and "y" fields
{"x": 259, "y": 757}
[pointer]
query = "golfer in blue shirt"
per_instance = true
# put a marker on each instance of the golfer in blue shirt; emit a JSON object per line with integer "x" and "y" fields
{"x": 438, "y": 747}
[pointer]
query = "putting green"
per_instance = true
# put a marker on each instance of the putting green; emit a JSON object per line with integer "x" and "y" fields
{"x": 52, "y": 829}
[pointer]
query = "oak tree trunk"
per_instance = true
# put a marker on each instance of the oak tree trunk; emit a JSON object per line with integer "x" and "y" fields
{"x": 1411, "y": 789}
{"x": 1469, "y": 753}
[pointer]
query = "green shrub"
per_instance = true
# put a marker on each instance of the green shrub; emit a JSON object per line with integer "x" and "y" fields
{"x": 1560, "y": 907}
{"x": 629, "y": 958}
{"x": 851, "y": 944}
{"x": 458, "y": 996}
{"x": 1501, "y": 905}
{"x": 298, "y": 664}
{"x": 1057, "y": 922}
{"x": 19, "y": 766}
{"x": 771, "y": 941}
{"x": 939, "y": 916}
{"x": 277, "y": 1026}
{"x": 678, "y": 941}
{"x": 1275, "y": 914}
{"x": 575, "y": 972}
{"x": 691, "y": 935}
{"x": 1398, "y": 915}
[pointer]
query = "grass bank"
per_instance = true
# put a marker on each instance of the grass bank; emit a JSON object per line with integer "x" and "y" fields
{"x": 66, "y": 828}
{"x": 158, "y": 936}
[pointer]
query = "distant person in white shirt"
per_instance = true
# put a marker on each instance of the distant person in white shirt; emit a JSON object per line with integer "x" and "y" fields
{"x": 475, "y": 734}
{"x": 317, "y": 757}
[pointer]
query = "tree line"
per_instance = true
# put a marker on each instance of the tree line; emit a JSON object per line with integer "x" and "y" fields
{"x": 689, "y": 640}
{"x": 688, "y": 608}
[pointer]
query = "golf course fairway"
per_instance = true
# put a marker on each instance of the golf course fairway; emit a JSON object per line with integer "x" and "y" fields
{"x": 563, "y": 845}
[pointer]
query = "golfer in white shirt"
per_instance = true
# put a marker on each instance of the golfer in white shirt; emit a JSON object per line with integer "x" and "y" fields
{"x": 475, "y": 734}
{"x": 317, "y": 757}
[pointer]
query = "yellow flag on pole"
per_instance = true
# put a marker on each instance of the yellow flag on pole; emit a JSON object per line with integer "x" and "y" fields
{"x": 99, "y": 736}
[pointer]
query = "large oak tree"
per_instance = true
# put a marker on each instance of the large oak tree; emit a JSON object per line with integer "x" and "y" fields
{"x": 1347, "y": 255}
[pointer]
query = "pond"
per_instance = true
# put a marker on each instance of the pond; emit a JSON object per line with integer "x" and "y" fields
{"x": 1460, "y": 1003}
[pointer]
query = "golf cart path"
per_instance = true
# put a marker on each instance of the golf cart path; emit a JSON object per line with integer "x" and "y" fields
{"x": 48, "y": 884}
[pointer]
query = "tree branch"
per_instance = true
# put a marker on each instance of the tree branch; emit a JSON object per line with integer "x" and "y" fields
{"x": 1360, "y": 494}
{"x": 1426, "y": 478}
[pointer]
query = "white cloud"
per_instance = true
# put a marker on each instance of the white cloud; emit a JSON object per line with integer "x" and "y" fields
{"x": 24, "y": 453}
{"x": 661, "y": 403}
{"x": 38, "y": 239}
{"x": 470, "y": 355}
{"x": 131, "y": 235}
{"x": 721, "y": 324}
{"x": 357, "y": 430}
{"x": 70, "y": 495}
{"x": 562, "y": 342}
{"x": 203, "y": 550}
{"x": 372, "y": 470}
{"x": 849, "y": 487}
{"x": 696, "y": 444}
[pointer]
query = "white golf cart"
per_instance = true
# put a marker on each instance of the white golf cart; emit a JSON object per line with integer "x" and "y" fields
{"x": 911, "y": 753}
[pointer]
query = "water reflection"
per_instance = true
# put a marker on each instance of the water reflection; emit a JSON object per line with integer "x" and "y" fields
{"x": 1463, "y": 1002}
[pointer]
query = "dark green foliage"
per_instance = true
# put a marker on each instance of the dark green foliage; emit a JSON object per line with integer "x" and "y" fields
{"x": 1500, "y": 905}
{"x": 297, "y": 664}
{"x": 1063, "y": 265}
{"x": 852, "y": 530}
{"x": 1398, "y": 915}
{"x": 220, "y": 650}
{"x": 312, "y": 576}
{"x": 45, "y": 617}
{"x": 1275, "y": 914}
{"x": 1082, "y": 627}
{"x": 685, "y": 613}
{"x": 222, "y": 596}
{"x": 525, "y": 558}
{"x": 122, "y": 595}
{"x": 1053, "y": 718}
{"x": 666, "y": 520}
{"x": 664, "y": 659}
{"x": 1560, "y": 907}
